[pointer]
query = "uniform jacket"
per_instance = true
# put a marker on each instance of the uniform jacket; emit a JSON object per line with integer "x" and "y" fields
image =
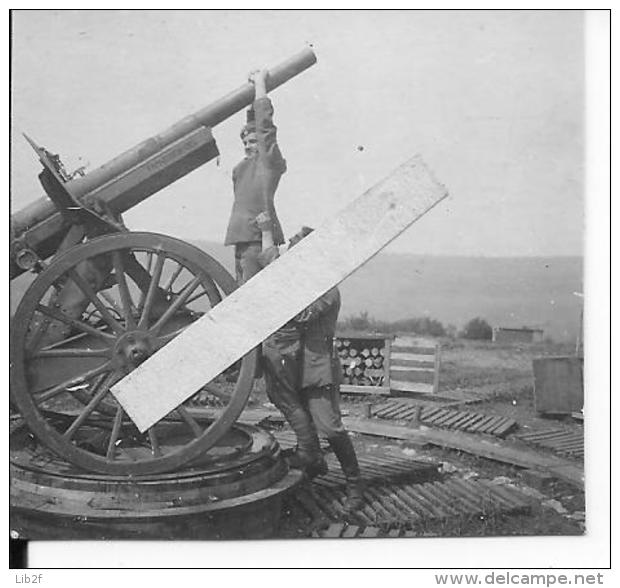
{"x": 320, "y": 365}
{"x": 255, "y": 180}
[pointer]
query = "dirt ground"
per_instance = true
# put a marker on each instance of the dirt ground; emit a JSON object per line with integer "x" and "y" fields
{"x": 501, "y": 377}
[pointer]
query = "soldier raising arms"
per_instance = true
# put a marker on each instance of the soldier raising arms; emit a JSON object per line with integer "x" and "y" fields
{"x": 255, "y": 180}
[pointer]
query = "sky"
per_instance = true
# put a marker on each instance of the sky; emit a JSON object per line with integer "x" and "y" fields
{"x": 493, "y": 101}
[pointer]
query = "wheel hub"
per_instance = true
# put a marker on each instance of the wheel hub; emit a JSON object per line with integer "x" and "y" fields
{"x": 132, "y": 348}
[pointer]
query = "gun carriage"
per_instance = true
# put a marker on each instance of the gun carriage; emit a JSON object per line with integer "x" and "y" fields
{"x": 106, "y": 298}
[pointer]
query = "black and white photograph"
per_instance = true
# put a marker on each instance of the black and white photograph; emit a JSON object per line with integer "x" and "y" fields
{"x": 300, "y": 275}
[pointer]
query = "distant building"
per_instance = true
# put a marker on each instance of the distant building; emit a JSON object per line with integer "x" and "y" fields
{"x": 514, "y": 335}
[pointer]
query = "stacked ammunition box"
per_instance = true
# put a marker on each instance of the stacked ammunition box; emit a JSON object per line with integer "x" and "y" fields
{"x": 363, "y": 361}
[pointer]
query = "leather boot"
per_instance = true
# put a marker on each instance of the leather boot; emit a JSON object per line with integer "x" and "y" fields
{"x": 279, "y": 373}
{"x": 354, "y": 500}
{"x": 307, "y": 456}
{"x": 345, "y": 453}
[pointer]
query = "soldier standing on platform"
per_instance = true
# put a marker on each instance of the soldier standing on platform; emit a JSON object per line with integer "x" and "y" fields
{"x": 255, "y": 180}
{"x": 302, "y": 376}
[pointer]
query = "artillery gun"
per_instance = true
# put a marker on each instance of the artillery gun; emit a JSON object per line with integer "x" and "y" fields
{"x": 106, "y": 298}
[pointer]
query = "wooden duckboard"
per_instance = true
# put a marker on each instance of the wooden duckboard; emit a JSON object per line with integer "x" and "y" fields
{"x": 261, "y": 306}
{"x": 558, "y": 467}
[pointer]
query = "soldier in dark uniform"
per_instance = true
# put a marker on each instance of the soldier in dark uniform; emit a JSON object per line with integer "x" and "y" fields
{"x": 302, "y": 375}
{"x": 255, "y": 180}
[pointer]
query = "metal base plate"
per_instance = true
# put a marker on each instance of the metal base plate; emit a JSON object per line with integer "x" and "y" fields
{"x": 233, "y": 491}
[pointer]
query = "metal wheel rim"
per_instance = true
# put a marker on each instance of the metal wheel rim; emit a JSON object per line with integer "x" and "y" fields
{"x": 40, "y": 426}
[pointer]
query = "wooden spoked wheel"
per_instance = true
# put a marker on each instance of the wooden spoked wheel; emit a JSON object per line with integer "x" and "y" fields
{"x": 90, "y": 318}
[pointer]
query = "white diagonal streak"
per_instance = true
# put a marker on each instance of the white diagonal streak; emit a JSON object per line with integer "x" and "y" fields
{"x": 282, "y": 290}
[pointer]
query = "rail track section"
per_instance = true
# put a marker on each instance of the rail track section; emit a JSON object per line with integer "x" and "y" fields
{"x": 399, "y": 494}
{"x": 446, "y": 418}
{"x": 562, "y": 441}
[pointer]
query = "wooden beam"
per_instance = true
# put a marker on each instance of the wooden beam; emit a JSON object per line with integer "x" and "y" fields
{"x": 282, "y": 290}
{"x": 558, "y": 467}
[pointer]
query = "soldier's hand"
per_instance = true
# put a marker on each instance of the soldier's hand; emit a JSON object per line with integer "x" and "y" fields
{"x": 267, "y": 256}
{"x": 259, "y": 79}
{"x": 258, "y": 75}
{"x": 263, "y": 221}
{"x": 304, "y": 316}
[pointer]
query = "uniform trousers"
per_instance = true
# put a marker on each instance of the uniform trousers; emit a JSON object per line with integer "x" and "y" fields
{"x": 247, "y": 260}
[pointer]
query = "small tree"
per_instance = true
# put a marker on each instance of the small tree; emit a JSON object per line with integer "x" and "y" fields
{"x": 361, "y": 322}
{"x": 477, "y": 328}
{"x": 451, "y": 331}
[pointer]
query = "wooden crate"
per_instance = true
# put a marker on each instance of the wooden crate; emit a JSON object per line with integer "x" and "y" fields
{"x": 354, "y": 349}
{"x": 414, "y": 365}
{"x": 409, "y": 364}
{"x": 558, "y": 384}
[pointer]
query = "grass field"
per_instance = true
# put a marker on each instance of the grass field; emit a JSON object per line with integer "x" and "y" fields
{"x": 501, "y": 375}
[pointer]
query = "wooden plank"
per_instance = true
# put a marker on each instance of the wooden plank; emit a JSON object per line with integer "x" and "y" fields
{"x": 451, "y": 422}
{"x": 480, "y": 426}
{"x": 440, "y": 414}
{"x": 400, "y": 356}
{"x": 471, "y": 427}
{"x": 410, "y": 368}
{"x": 362, "y": 335}
{"x": 405, "y": 363}
{"x": 463, "y": 418}
{"x": 387, "y": 352}
{"x": 414, "y": 377}
{"x": 503, "y": 429}
{"x": 395, "y": 408}
{"x": 370, "y": 532}
{"x": 392, "y": 494}
{"x": 249, "y": 415}
{"x": 496, "y": 422}
{"x": 415, "y": 345}
{"x": 413, "y": 412}
{"x": 425, "y": 351}
{"x": 350, "y": 531}
{"x": 414, "y": 503}
{"x": 384, "y": 408}
{"x": 437, "y": 369}
{"x": 398, "y": 410}
{"x": 440, "y": 422}
{"x": 250, "y": 314}
{"x": 333, "y": 531}
{"x": 471, "y": 418}
{"x": 565, "y": 443}
{"x": 538, "y": 435}
{"x": 430, "y": 412}
{"x": 402, "y": 386}
{"x": 351, "y": 389}
{"x": 498, "y": 451}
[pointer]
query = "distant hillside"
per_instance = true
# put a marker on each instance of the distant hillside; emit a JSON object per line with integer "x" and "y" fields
{"x": 527, "y": 291}
{"x": 505, "y": 291}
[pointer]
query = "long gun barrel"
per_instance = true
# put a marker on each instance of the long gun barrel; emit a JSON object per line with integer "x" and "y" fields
{"x": 144, "y": 169}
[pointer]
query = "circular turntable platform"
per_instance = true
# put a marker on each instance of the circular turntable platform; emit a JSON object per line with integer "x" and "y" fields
{"x": 233, "y": 491}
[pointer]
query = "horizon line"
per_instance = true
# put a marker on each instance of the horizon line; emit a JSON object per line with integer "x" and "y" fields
{"x": 459, "y": 255}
